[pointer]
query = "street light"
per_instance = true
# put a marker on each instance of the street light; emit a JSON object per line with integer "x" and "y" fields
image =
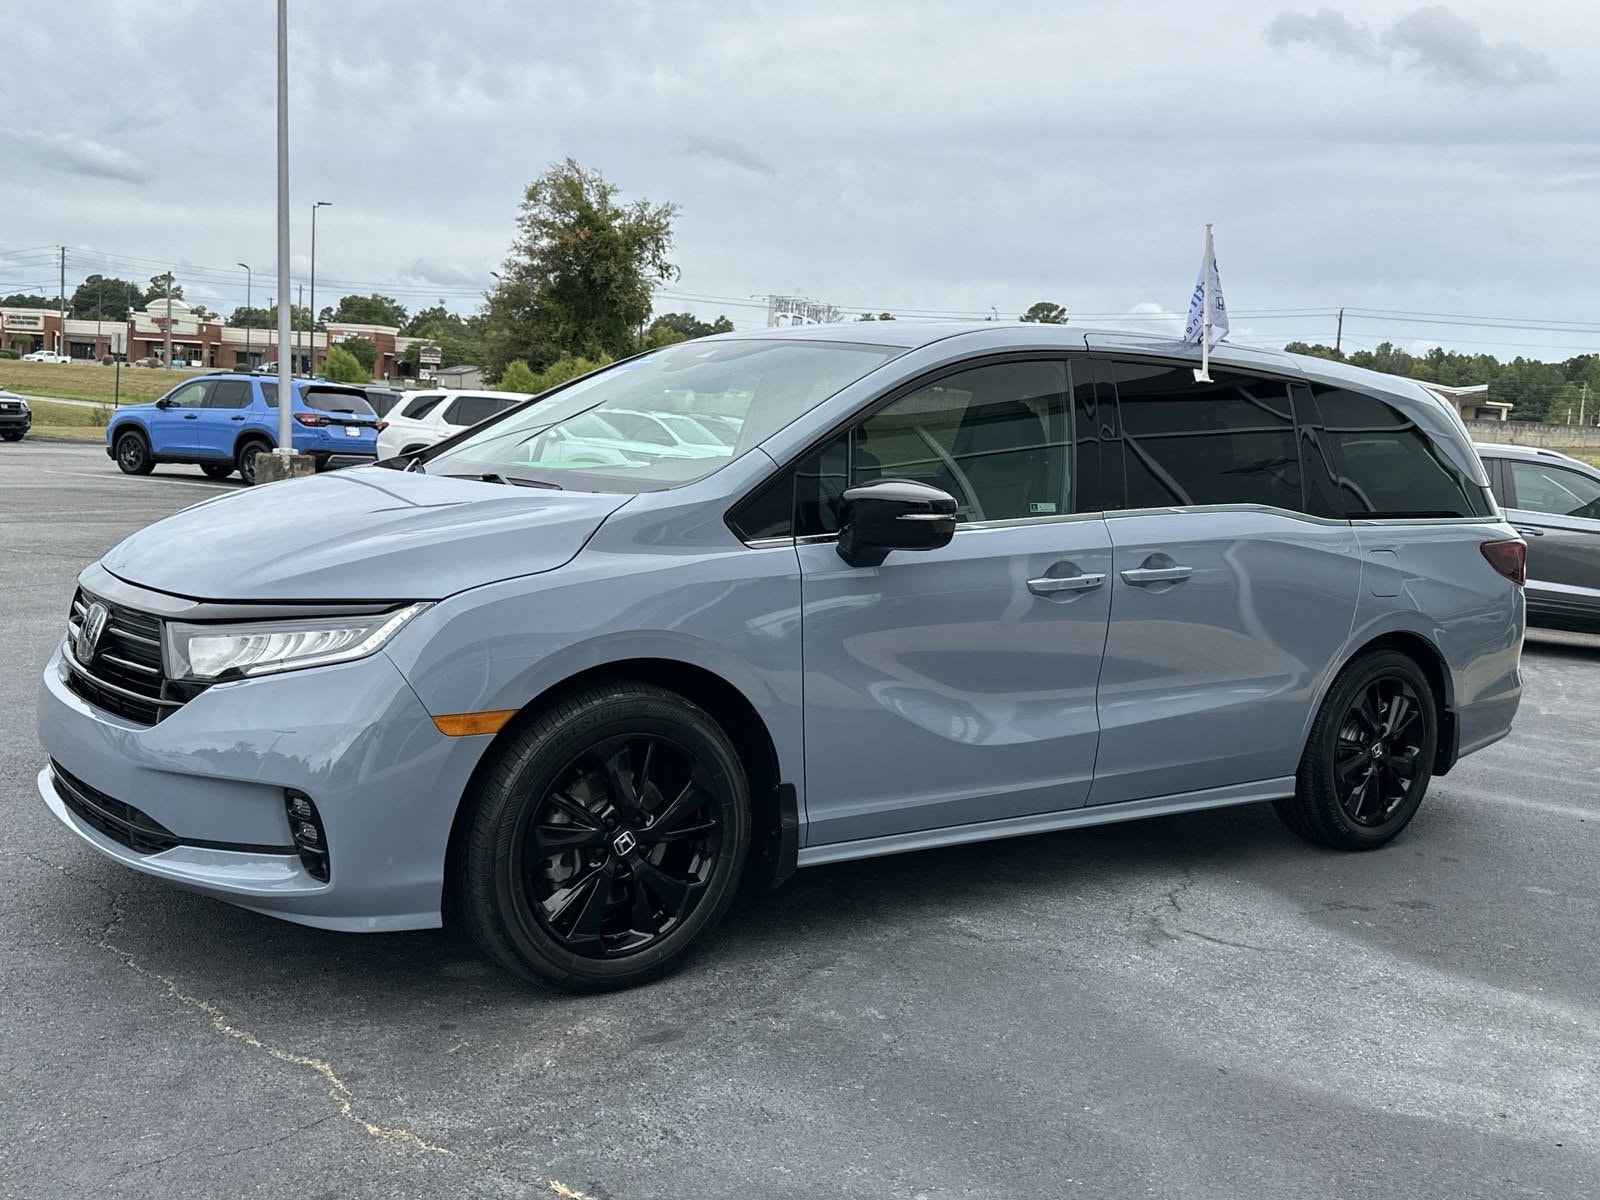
{"x": 249, "y": 356}
{"x": 312, "y": 321}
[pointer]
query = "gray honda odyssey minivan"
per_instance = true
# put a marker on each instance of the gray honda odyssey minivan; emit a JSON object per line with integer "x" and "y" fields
{"x": 925, "y": 584}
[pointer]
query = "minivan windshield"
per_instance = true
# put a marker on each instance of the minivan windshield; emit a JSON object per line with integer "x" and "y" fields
{"x": 629, "y": 428}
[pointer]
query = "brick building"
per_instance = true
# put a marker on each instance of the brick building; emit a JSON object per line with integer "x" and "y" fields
{"x": 195, "y": 341}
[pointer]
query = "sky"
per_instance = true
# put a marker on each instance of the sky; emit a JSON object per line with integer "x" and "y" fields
{"x": 1434, "y": 169}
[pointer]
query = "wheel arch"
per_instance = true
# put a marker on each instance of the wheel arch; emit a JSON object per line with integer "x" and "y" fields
{"x": 251, "y": 435}
{"x": 1424, "y": 651}
{"x": 774, "y": 832}
{"x": 129, "y": 425}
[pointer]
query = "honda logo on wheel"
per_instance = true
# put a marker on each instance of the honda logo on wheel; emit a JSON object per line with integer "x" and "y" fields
{"x": 625, "y": 844}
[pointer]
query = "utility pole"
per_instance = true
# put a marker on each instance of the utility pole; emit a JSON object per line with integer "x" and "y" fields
{"x": 167, "y": 286}
{"x": 285, "y": 377}
{"x": 300, "y": 302}
{"x": 61, "y": 338}
{"x": 1338, "y": 333}
{"x": 312, "y": 332}
{"x": 1583, "y": 399}
{"x": 249, "y": 329}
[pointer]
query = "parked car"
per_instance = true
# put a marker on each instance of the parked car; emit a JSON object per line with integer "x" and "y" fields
{"x": 46, "y": 356}
{"x": 221, "y": 422}
{"x": 16, "y": 418}
{"x": 429, "y": 417}
{"x": 1553, "y": 500}
{"x": 962, "y": 583}
{"x": 382, "y": 399}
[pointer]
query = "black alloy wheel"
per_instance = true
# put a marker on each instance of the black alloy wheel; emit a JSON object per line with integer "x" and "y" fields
{"x": 620, "y": 849}
{"x": 133, "y": 454}
{"x": 247, "y": 460}
{"x": 1369, "y": 758}
{"x": 1380, "y": 741}
{"x": 603, "y": 838}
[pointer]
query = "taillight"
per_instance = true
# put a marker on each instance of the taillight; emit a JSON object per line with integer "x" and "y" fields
{"x": 382, "y": 425}
{"x": 312, "y": 419}
{"x": 1509, "y": 557}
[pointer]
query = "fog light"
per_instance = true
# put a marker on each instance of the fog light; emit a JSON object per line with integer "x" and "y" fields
{"x": 305, "y": 825}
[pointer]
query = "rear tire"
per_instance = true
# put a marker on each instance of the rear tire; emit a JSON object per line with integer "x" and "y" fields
{"x": 217, "y": 470}
{"x": 246, "y": 461}
{"x": 133, "y": 454}
{"x": 605, "y": 841}
{"x": 1369, "y": 758}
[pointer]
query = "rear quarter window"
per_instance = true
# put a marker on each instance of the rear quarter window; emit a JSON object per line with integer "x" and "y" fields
{"x": 1388, "y": 465}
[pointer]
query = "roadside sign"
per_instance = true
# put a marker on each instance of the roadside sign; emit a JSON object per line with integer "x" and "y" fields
{"x": 430, "y": 356}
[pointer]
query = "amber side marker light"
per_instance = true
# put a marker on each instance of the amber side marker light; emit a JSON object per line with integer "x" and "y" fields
{"x": 466, "y": 724}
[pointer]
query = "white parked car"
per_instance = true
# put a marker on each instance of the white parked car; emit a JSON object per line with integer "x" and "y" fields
{"x": 428, "y": 417}
{"x": 48, "y": 356}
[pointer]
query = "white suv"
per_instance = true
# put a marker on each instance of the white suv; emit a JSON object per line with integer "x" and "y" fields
{"x": 430, "y": 417}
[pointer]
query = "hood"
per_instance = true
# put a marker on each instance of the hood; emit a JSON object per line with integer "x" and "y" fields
{"x": 364, "y": 534}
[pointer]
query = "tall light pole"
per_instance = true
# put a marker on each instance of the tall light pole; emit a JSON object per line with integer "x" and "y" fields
{"x": 285, "y": 378}
{"x": 248, "y": 354}
{"x": 313, "y": 330}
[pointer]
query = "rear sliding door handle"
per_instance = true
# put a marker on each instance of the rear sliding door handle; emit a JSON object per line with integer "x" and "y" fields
{"x": 1140, "y": 576}
{"x": 1047, "y": 584}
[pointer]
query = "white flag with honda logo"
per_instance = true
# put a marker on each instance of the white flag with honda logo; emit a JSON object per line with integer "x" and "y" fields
{"x": 1208, "y": 315}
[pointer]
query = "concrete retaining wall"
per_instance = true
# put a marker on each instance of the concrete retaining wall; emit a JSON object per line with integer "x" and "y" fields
{"x": 1535, "y": 433}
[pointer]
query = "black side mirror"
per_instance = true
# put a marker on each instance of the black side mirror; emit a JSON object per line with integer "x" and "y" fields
{"x": 163, "y": 403}
{"x": 893, "y": 514}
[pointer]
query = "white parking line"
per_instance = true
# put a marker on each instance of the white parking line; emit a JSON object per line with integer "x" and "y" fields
{"x": 216, "y": 487}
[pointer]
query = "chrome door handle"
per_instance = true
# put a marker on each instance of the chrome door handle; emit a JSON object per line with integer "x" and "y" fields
{"x": 1047, "y": 584}
{"x": 1525, "y": 531}
{"x": 1139, "y": 576}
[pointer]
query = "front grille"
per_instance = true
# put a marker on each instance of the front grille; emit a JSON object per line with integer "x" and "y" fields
{"x": 118, "y": 821}
{"x": 10, "y": 406}
{"x": 125, "y": 674}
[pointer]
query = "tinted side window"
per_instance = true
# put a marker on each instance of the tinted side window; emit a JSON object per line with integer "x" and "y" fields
{"x": 469, "y": 410}
{"x": 1231, "y": 441}
{"x": 229, "y": 393}
{"x": 1545, "y": 488}
{"x": 1318, "y": 463}
{"x": 421, "y": 407}
{"x": 998, "y": 438}
{"x": 1388, "y": 467}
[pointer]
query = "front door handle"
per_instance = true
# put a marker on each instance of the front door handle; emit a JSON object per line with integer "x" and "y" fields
{"x": 191, "y": 416}
{"x": 1526, "y": 531}
{"x": 1141, "y": 576}
{"x": 1046, "y": 584}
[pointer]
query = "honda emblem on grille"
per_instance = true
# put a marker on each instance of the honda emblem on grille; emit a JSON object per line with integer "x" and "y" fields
{"x": 94, "y": 624}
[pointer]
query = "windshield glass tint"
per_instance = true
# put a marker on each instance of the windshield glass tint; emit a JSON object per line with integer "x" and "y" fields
{"x": 630, "y": 428}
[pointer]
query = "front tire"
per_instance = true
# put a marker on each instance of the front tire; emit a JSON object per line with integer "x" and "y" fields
{"x": 1369, "y": 758}
{"x": 11, "y": 437}
{"x": 133, "y": 454}
{"x": 606, "y": 840}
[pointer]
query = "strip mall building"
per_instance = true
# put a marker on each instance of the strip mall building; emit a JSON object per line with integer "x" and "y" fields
{"x": 195, "y": 341}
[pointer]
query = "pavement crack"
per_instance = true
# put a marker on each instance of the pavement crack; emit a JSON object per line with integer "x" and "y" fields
{"x": 338, "y": 1091}
{"x": 231, "y": 1152}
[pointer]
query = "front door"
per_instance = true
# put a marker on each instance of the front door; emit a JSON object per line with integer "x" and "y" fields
{"x": 954, "y": 686}
{"x": 174, "y": 427}
{"x": 222, "y": 416}
{"x": 1557, "y": 511}
{"x": 1229, "y": 598}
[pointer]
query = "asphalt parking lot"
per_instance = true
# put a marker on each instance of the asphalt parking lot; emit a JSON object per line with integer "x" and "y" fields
{"x": 1199, "y": 1006}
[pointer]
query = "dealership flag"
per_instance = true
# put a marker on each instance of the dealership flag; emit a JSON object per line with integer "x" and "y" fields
{"x": 1208, "y": 315}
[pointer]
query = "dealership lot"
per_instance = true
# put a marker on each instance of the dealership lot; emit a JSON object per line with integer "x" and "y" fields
{"x": 1201, "y": 1006}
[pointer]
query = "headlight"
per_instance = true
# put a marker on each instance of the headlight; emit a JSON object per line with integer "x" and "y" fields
{"x": 207, "y": 653}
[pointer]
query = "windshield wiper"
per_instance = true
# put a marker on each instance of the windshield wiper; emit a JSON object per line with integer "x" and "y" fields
{"x": 519, "y": 481}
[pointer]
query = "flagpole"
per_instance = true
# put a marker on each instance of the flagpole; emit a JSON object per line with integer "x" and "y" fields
{"x": 1205, "y": 318}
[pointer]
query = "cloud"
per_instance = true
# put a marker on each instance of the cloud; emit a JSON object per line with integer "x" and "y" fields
{"x": 74, "y": 155}
{"x": 726, "y": 150}
{"x": 1443, "y": 45}
{"x": 426, "y": 271}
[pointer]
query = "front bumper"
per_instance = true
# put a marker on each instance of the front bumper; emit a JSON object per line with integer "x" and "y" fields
{"x": 16, "y": 422}
{"x": 353, "y": 737}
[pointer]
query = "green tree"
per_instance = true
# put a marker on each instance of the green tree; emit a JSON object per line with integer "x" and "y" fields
{"x": 104, "y": 298}
{"x": 163, "y": 285}
{"x": 368, "y": 310}
{"x": 29, "y": 300}
{"x": 579, "y": 275}
{"x": 363, "y": 351}
{"x": 680, "y": 327}
{"x": 517, "y": 377}
{"x": 342, "y": 367}
{"x": 460, "y": 339}
{"x": 252, "y": 318}
{"x": 1045, "y": 312}
{"x": 564, "y": 368}
{"x": 1317, "y": 350}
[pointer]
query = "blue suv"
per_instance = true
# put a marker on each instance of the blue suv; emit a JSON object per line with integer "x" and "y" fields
{"x": 221, "y": 422}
